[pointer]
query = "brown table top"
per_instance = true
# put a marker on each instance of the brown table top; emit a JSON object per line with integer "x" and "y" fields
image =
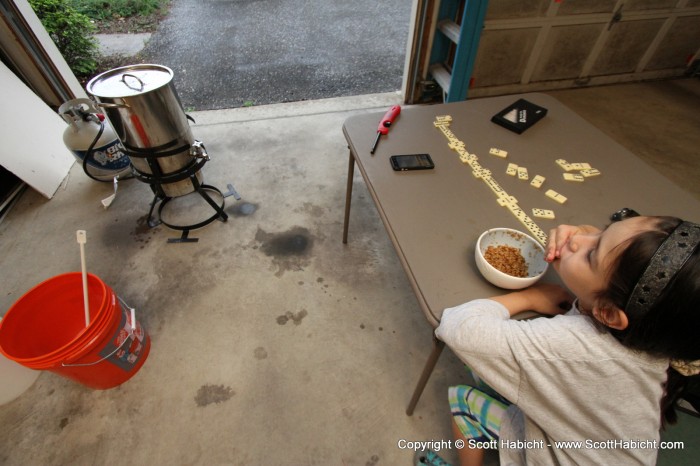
{"x": 434, "y": 217}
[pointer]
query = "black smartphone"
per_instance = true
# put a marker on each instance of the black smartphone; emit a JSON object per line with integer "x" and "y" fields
{"x": 411, "y": 162}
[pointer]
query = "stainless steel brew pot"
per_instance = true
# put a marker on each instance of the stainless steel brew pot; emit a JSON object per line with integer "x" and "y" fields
{"x": 144, "y": 109}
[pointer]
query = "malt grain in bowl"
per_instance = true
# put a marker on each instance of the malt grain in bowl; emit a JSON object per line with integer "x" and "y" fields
{"x": 532, "y": 251}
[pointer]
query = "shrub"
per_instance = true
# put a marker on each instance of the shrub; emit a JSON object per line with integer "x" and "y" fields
{"x": 71, "y": 31}
{"x": 102, "y": 10}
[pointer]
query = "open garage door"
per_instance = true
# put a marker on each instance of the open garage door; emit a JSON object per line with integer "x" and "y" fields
{"x": 35, "y": 80}
{"x": 483, "y": 48}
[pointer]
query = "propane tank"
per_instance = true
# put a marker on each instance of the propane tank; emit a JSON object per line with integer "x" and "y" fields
{"x": 107, "y": 158}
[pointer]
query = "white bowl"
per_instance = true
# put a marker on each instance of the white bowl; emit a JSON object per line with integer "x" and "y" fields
{"x": 532, "y": 251}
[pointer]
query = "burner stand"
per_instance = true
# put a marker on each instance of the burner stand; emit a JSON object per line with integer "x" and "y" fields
{"x": 157, "y": 179}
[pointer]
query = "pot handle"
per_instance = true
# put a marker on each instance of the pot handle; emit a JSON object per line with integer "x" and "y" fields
{"x": 108, "y": 105}
{"x": 136, "y": 78}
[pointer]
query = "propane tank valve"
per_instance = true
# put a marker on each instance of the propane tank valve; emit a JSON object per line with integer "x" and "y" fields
{"x": 198, "y": 151}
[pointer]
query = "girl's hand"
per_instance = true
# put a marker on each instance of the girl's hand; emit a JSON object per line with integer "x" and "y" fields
{"x": 545, "y": 298}
{"x": 560, "y": 235}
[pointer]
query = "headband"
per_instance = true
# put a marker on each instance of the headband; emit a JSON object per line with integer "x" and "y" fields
{"x": 668, "y": 259}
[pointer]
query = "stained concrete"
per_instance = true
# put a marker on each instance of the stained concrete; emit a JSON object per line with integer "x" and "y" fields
{"x": 272, "y": 342}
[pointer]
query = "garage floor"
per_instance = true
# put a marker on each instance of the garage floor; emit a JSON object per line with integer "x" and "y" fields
{"x": 272, "y": 342}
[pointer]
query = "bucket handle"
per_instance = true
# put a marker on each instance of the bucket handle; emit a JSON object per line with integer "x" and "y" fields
{"x": 136, "y": 78}
{"x": 129, "y": 338}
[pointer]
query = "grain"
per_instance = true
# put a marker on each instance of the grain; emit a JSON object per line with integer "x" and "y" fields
{"x": 507, "y": 259}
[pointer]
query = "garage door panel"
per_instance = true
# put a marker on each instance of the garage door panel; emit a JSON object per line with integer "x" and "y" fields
{"x": 503, "y": 56}
{"x": 535, "y": 45}
{"x": 625, "y": 46}
{"x": 565, "y": 51}
{"x": 678, "y": 46}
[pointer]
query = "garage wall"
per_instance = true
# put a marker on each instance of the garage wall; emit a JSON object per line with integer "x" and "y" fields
{"x": 531, "y": 45}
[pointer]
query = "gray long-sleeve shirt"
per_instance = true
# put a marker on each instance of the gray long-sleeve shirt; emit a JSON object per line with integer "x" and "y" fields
{"x": 568, "y": 382}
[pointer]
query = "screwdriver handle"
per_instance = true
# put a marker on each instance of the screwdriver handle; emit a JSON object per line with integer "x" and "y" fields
{"x": 388, "y": 119}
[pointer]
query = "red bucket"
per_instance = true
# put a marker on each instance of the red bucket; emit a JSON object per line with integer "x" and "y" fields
{"x": 45, "y": 329}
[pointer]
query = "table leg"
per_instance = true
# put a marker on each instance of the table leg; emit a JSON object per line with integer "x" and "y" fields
{"x": 438, "y": 346}
{"x": 348, "y": 197}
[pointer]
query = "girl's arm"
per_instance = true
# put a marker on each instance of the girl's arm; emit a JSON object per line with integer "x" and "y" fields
{"x": 545, "y": 298}
{"x": 482, "y": 334}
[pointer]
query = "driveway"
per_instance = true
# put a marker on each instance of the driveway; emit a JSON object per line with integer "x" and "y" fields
{"x": 231, "y": 53}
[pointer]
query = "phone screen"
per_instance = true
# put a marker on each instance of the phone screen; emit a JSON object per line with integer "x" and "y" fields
{"x": 412, "y": 162}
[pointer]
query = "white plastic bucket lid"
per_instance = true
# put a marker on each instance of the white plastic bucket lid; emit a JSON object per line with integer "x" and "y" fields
{"x": 15, "y": 379}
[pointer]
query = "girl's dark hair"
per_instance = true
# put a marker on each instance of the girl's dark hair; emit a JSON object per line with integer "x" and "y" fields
{"x": 671, "y": 326}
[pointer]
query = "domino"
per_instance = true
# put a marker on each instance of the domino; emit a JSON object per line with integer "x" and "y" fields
{"x": 552, "y": 194}
{"x": 590, "y": 172}
{"x": 537, "y": 181}
{"x": 532, "y": 227}
{"x": 474, "y": 163}
{"x": 543, "y": 213}
{"x": 469, "y": 159}
{"x": 520, "y": 215}
{"x": 508, "y": 201}
{"x": 522, "y": 173}
{"x": 498, "y": 152}
{"x": 444, "y": 127}
{"x": 563, "y": 164}
{"x": 482, "y": 173}
{"x": 541, "y": 236}
{"x": 495, "y": 187}
{"x": 529, "y": 223}
{"x": 580, "y": 166}
{"x": 502, "y": 197}
{"x": 573, "y": 177}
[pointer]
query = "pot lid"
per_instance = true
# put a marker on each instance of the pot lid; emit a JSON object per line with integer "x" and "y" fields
{"x": 129, "y": 81}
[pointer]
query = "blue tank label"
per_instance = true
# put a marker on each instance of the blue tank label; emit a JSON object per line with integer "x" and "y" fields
{"x": 108, "y": 157}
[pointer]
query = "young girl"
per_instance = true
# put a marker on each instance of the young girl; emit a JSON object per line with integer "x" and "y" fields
{"x": 594, "y": 385}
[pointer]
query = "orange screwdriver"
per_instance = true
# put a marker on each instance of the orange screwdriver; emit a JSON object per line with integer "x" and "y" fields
{"x": 384, "y": 125}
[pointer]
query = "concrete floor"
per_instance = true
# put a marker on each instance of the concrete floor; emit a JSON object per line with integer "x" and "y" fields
{"x": 272, "y": 342}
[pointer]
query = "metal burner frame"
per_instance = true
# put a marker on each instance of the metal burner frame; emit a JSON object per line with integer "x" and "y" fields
{"x": 156, "y": 179}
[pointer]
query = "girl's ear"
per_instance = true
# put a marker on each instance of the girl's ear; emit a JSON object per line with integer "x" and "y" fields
{"x": 611, "y": 316}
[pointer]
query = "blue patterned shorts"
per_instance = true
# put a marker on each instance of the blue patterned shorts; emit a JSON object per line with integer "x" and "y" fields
{"x": 477, "y": 413}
